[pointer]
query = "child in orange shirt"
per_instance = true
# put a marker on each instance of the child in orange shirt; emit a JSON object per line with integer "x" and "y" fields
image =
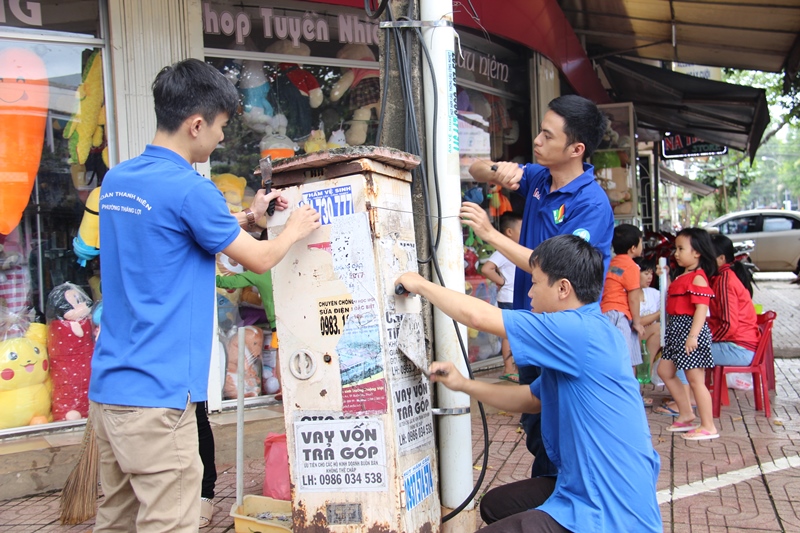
{"x": 622, "y": 292}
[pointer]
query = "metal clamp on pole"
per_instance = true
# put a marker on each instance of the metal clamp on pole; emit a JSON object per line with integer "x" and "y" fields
{"x": 441, "y": 411}
{"x": 441, "y": 23}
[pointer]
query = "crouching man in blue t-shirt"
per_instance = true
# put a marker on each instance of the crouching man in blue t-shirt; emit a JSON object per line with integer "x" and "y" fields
{"x": 607, "y": 468}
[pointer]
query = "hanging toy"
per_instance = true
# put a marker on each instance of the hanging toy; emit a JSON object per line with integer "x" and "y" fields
{"x": 24, "y": 101}
{"x": 86, "y": 244}
{"x": 85, "y": 128}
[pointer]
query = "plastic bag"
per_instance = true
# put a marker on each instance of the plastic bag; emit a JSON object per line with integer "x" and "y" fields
{"x": 253, "y": 340}
{"x": 740, "y": 381}
{"x": 276, "y": 467}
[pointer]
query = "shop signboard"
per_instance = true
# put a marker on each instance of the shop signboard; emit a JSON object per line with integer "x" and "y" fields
{"x": 677, "y": 146}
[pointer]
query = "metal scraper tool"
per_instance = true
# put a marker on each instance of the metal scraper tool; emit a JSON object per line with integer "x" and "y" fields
{"x": 266, "y": 180}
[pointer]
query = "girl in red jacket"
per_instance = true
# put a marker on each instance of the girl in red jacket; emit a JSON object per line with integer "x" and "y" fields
{"x": 733, "y": 323}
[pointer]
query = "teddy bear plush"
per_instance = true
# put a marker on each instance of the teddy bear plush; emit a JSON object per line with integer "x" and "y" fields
{"x": 364, "y": 91}
{"x": 254, "y": 87}
{"x": 254, "y": 343}
{"x": 232, "y": 188}
{"x": 25, "y": 385}
{"x": 70, "y": 344}
{"x": 295, "y": 91}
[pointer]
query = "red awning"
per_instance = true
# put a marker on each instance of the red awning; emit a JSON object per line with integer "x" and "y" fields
{"x": 540, "y": 25}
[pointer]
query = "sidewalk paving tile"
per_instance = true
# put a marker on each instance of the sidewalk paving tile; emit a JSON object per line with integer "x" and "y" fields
{"x": 748, "y": 480}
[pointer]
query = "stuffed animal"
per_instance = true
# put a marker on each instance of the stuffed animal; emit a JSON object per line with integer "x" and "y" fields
{"x": 337, "y": 140}
{"x": 276, "y": 143}
{"x": 232, "y": 188}
{"x": 24, "y": 101}
{"x": 316, "y": 142}
{"x": 295, "y": 90}
{"x": 70, "y": 343}
{"x": 25, "y": 384}
{"x": 85, "y": 128}
{"x": 86, "y": 244}
{"x": 254, "y": 343}
{"x": 364, "y": 90}
{"x": 254, "y": 88}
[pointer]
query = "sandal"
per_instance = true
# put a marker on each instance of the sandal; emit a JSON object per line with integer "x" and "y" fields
{"x": 647, "y": 401}
{"x": 700, "y": 434}
{"x": 680, "y": 427}
{"x": 206, "y": 512}
{"x": 513, "y": 378}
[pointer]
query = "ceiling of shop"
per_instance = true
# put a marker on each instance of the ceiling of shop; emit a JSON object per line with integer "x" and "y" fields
{"x": 743, "y": 34}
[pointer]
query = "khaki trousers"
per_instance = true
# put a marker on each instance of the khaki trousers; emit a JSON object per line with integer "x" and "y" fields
{"x": 150, "y": 469}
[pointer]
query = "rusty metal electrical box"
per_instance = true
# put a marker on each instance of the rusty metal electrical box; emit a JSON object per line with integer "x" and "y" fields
{"x": 360, "y": 431}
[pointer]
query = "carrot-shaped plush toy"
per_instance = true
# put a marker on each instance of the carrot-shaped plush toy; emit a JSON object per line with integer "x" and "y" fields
{"x": 24, "y": 97}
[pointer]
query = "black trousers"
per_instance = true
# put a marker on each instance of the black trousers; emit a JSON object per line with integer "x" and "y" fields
{"x": 510, "y": 508}
{"x": 532, "y": 424}
{"x": 206, "y": 438}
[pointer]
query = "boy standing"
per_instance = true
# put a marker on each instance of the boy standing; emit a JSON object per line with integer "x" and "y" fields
{"x": 500, "y": 270}
{"x": 606, "y": 477}
{"x": 622, "y": 292}
{"x": 162, "y": 224}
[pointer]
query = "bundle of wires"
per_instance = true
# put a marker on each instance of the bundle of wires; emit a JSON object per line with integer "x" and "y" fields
{"x": 402, "y": 45}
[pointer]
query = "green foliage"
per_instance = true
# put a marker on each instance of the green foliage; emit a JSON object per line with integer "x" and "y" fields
{"x": 776, "y": 168}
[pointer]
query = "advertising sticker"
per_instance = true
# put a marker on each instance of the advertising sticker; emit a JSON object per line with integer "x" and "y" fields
{"x": 340, "y": 455}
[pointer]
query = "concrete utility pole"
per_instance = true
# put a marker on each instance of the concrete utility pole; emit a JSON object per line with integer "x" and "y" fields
{"x": 454, "y": 431}
{"x": 441, "y": 132}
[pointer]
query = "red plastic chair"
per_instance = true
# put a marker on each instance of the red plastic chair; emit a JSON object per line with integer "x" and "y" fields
{"x": 770, "y": 355}
{"x": 758, "y": 369}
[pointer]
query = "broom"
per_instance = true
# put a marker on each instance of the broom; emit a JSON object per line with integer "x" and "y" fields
{"x": 79, "y": 497}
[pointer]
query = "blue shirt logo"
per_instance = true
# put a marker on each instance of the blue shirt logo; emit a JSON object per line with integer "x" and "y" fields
{"x": 583, "y": 234}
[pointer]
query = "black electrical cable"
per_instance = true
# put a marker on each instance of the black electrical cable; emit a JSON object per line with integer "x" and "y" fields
{"x": 412, "y": 145}
{"x": 374, "y": 15}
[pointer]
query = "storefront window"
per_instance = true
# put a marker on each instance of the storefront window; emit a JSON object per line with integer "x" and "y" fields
{"x": 493, "y": 106}
{"x": 53, "y": 155}
{"x": 308, "y": 80}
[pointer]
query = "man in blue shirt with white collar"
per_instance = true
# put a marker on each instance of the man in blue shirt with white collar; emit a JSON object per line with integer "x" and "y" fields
{"x": 561, "y": 198}
{"x": 161, "y": 224}
{"x": 607, "y": 467}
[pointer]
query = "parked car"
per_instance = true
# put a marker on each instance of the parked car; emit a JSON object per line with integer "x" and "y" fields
{"x": 776, "y": 234}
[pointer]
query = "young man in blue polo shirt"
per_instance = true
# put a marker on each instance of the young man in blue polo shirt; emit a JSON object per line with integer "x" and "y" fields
{"x": 607, "y": 467}
{"x": 561, "y": 198}
{"x": 162, "y": 224}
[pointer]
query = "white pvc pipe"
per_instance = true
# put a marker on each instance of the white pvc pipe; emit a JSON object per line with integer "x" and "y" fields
{"x": 455, "y": 431}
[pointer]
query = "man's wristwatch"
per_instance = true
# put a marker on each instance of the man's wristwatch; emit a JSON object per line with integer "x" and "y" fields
{"x": 251, "y": 217}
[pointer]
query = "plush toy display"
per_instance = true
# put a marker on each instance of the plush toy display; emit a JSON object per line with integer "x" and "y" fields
{"x": 254, "y": 88}
{"x": 25, "y": 384}
{"x": 337, "y": 139}
{"x": 254, "y": 342}
{"x": 70, "y": 343}
{"x": 316, "y": 142}
{"x": 24, "y": 101}
{"x": 85, "y": 128}
{"x": 232, "y": 188}
{"x": 86, "y": 244}
{"x": 276, "y": 143}
{"x": 295, "y": 91}
{"x": 364, "y": 90}
{"x": 228, "y": 299}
